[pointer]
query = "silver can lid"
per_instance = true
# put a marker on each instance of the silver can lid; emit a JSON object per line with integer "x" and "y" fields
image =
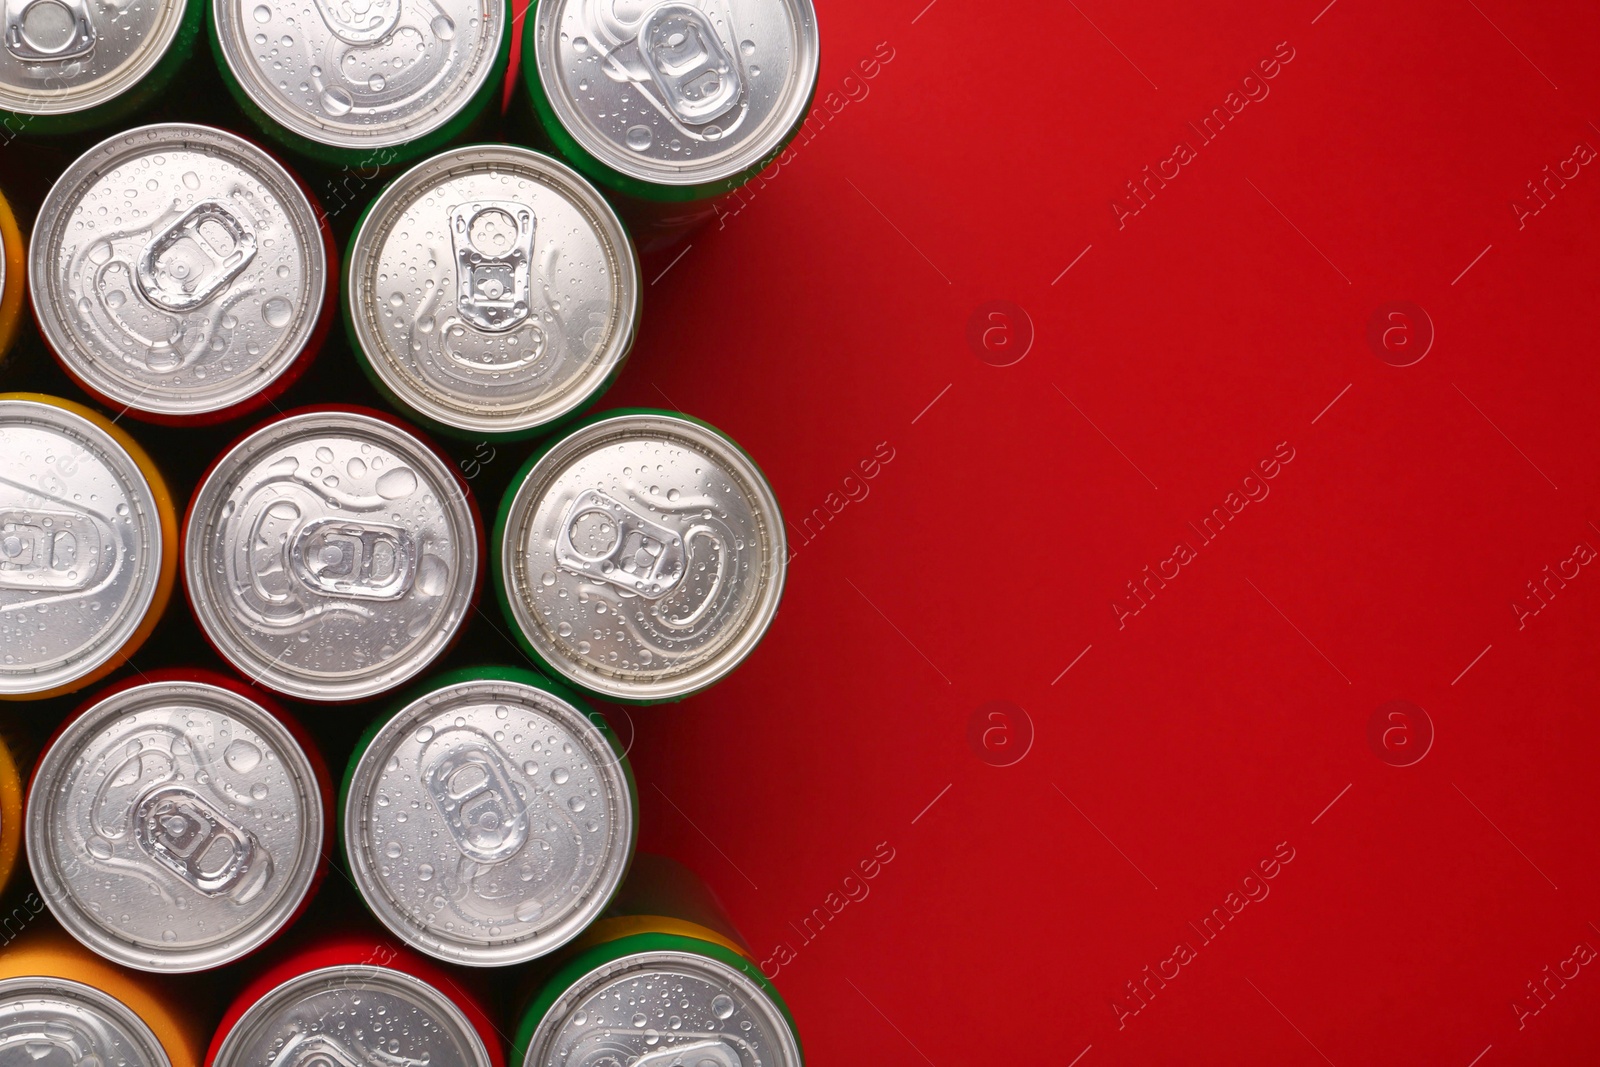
{"x": 492, "y": 289}
{"x": 664, "y": 1009}
{"x": 353, "y": 1016}
{"x": 680, "y": 92}
{"x": 331, "y": 555}
{"x": 62, "y": 56}
{"x": 174, "y": 826}
{"x": 489, "y": 823}
{"x": 644, "y": 556}
{"x": 80, "y": 546}
{"x": 54, "y": 1022}
{"x": 178, "y": 269}
{"x": 360, "y": 74}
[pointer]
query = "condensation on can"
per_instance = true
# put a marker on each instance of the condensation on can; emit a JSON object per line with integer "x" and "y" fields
{"x": 331, "y": 554}
{"x": 492, "y": 292}
{"x": 88, "y": 546}
{"x": 207, "y": 300}
{"x": 640, "y": 557}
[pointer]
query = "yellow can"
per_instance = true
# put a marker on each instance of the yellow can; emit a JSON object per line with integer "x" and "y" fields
{"x": 13, "y": 276}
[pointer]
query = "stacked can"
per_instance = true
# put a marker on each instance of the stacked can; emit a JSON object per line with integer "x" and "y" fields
{"x": 13, "y": 276}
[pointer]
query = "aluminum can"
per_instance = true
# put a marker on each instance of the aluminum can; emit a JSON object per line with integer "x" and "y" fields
{"x": 672, "y": 103}
{"x": 353, "y": 1002}
{"x": 88, "y": 546}
{"x": 640, "y": 557}
{"x": 181, "y": 274}
{"x": 493, "y": 292}
{"x": 177, "y": 824}
{"x": 63, "y": 1006}
{"x": 490, "y": 819}
{"x": 331, "y": 554}
{"x": 652, "y": 988}
{"x": 362, "y": 84}
{"x": 67, "y": 66}
{"x": 13, "y": 276}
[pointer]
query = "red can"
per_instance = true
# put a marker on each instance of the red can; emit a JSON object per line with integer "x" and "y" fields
{"x": 353, "y": 1001}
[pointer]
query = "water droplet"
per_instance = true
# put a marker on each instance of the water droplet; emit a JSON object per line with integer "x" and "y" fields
{"x": 425, "y": 873}
{"x": 242, "y": 756}
{"x": 116, "y": 298}
{"x": 277, "y": 312}
{"x": 393, "y": 850}
{"x": 394, "y": 484}
{"x": 560, "y": 776}
{"x": 747, "y": 47}
{"x": 580, "y": 45}
{"x": 258, "y": 791}
{"x": 425, "y": 735}
{"x": 169, "y": 935}
{"x": 639, "y": 138}
{"x": 336, "y": 101}
{"x": 639, "y": 1019}
{"x": 262, "y": 13}
{"x": 433, "y": 575}
{"x": 99, "y": 848}
{"x": 528, "y": 911}
{"x": 722, "y": 1005}
{"x": 576, "y": 804}
{"x": 442, "y": 27}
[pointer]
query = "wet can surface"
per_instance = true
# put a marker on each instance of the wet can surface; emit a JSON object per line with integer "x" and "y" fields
{"x": 641, "y": 556}
{"x": 13, "y": 277}
{"x": 72, "y": 65}
{"x": 88, "y": 546}
{"x": 492, "y": 292}
{"x": 63, "y": 1006}
{"x": 177, "y": 824}
{"x": 366, "y": 84}
{"x": 180, "y": 274}
{"x": 353, "y": 1002}
{"x": 331, "y": 554}
{"x": 652, "y": 985}
{"x": 490, "y": 820}
{"x": 670, "y": 103}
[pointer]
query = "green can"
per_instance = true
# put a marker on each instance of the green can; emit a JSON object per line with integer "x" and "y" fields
{"x": 640, "y": 557}
{"x": 663, "y": 980}
{"x": 71, "y": 66}
{"x": 363, "y": 85}
{"x": 668, "y": 106}
{"x": 489, "y": 817}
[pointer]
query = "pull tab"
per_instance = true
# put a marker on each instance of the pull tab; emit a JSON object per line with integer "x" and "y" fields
{"x": 712, "y": 1053}
{"x": 472, "y": 788}
{"x": 48, "y": 30}
{"x": 197, "y": 255}
{"x": 59, "y": 555}
{"x": 697, "y": 76}
{"x": 354, "y": 559}
{"x": 493, "y": 243}
{"x": 360, "y": 21}
{"x": 195, "y": 841}
{"x": 604, "y": 539}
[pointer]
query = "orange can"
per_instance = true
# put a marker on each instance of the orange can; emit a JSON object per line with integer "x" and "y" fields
{"x": 85, "y": 1009}
{"x": 88, "y": 546}
{"x": 13, "y": 276}
{"x": 10, "y": 811}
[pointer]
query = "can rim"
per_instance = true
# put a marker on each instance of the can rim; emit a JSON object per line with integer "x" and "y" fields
{"x": 229, "y": 36}
{"x": 65, "y": 192}
{"x": 704, "y": 965}
{"x": 522, "y": 501}
{"x": 618, "y": 854}
{"x": 125, "y": 467}
{"x": 153, "y": 49}
{"x": 272, "y": 1001}
{"x": 561, "y": 178}
{"x": 134, "y": 1029}
{"x": 77, "y": 921}
{"x": 779, "y": 124}
{"x": 452, "y": 495}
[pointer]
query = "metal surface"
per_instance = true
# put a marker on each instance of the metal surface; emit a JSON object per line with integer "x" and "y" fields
{"x": 80, "y": 546}
{"x": 353, "y": 1016}
{"x": 663, "y": 1009}
{"x": 63, "y": 56}
{"x": 331, "y": 555}
{"x": 492, "y": 289}
{"x": 53, "y": 1022}
{"x": 643, "y": 556}
{"x": 489, "y": 823}
{"x": 178, "y": 269}
{"x": 683, "y": 92}
{"x": 360, "y": 73}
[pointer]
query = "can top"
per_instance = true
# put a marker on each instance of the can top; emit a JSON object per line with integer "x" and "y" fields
{"x": 353, "y": 1015}
{"x": 177, "y": 269}
{"x": 54, "y": 1022}
{"x": 80, "y": 546}
{"x": 643, "y": 556}
{"x": 367, "y": 75}
{"x": 681, "y": 92}
{"x": 660, "y": 1009}
{"x": 493, "y": 289}
{"x": 331, "y": 555}
{"x": 62, "y": 56}
{"x": 489, "y": 822}
{"x": 174, "y": 826}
